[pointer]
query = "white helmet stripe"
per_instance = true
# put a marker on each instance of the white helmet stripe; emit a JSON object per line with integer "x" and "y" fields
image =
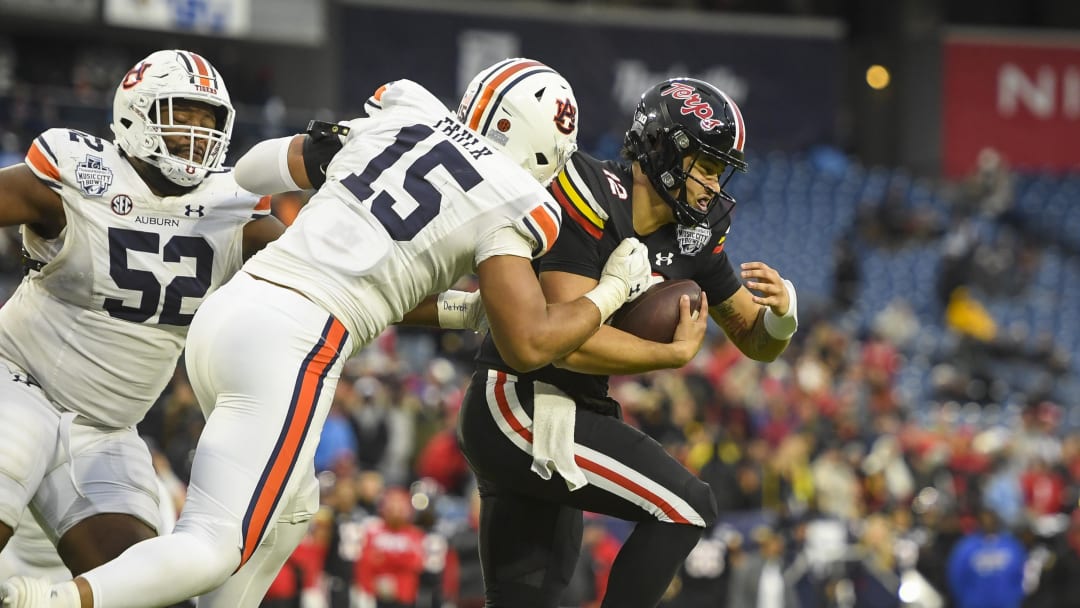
{"x": 740, "y": 128}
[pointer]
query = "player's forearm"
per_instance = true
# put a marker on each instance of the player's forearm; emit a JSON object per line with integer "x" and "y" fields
{"x": 613, "y": 352}
{"x": 530, "y": 341}
{"x": 426, "y": 313}
{"x": 756, "y": 342}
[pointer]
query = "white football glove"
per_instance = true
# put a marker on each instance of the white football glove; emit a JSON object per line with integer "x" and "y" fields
{"x": 626, "y": 275}
{"x": 462, "y": 310}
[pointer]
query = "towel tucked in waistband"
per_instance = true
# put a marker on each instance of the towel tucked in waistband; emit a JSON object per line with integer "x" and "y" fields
{"x": 553, "y": 436}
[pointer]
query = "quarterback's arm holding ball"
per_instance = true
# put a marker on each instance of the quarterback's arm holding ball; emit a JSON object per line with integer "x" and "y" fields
{"x": 531, "y": 328}
{"x": 528, "y": 329}
{"x": 760, "y": 326}
{"x": 612, "y": 351}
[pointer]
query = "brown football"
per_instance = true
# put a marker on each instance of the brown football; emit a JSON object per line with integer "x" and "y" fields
{"x": 655, "y": 314}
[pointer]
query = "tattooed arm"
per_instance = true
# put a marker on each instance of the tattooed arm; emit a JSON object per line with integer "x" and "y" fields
{"x": 742, "y": 316}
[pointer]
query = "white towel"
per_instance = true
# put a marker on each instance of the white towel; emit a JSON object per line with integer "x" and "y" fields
{"x": 553, "y": 436}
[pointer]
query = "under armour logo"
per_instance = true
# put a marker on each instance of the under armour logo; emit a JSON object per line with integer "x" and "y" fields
{"x": 27, "y": 380}
{"x": 190, "y": 210}
{"x": 634, "y": 289}
{"x": 664, "y": 259}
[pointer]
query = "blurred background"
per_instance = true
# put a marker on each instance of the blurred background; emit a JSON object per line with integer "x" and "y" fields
{"x": 913, "y": 171}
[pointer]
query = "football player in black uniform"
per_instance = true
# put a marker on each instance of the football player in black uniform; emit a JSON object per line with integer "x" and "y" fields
{"x": 550, "y": 443}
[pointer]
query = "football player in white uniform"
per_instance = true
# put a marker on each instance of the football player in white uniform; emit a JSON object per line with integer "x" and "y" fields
{"x": 414, "y": 198}
{"x": 122, "y": 242}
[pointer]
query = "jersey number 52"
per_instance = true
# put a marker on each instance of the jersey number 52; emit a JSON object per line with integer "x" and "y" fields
{"x": 122, "y": 240}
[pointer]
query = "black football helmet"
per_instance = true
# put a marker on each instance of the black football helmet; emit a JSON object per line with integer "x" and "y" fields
{"x": 681, "y": 117}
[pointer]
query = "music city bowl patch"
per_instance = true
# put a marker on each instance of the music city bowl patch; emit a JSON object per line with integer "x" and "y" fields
{"x": 692, "y": 238}
{"x": 93, "y": 176}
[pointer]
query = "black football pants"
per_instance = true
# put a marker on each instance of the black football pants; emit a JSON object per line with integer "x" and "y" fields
{"x": 530, "y": 528}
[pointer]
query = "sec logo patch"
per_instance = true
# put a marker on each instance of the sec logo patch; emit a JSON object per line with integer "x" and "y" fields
{"x": 122, "y": 204}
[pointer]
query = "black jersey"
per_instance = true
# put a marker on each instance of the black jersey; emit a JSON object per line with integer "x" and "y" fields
{"x": 595, "y": 200}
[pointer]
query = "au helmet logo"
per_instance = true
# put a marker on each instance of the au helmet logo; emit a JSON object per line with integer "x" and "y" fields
{"x": 135, "y": 75}
{"x": 565, "y": 116}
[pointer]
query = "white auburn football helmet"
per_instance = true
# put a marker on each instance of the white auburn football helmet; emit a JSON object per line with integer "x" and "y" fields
{"x": 142, "y": 114}
{"x": 528, "y": 111}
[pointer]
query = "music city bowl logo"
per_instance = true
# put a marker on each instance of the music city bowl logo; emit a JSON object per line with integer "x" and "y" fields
{"x": 692, "y": 238}
{"x": 93, "y": 176}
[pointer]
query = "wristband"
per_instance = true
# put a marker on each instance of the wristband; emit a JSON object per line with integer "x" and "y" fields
{"x": 461, "y": 310}
{"x": 608, "y": 296}
{"x": 453, "y": 307}
{"x": 783, "y": 327}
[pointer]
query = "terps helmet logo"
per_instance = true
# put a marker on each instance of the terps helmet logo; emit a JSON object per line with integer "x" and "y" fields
{"x": 693, "y": 104}
{"x": 565, "y": 116}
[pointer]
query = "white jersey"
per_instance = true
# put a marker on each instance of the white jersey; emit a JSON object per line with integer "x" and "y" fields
{"x": 412, "y": 202}
{"x": 101, "y": 324}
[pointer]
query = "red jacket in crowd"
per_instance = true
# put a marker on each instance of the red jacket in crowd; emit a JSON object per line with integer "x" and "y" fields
{"x": 391, "y": 562}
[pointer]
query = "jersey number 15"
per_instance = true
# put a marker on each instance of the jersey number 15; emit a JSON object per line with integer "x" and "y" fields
{"x": 427, "y": 197}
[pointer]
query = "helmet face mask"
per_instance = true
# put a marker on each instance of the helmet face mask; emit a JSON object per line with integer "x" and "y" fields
{"x": 680, "y": 119}
{"x": 528, "y": 111}
{"x": 159, "y": 116}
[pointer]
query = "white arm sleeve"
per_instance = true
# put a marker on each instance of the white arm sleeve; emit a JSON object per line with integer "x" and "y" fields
{"x": 265, "y": 168}
{"x": 504, "y": 240}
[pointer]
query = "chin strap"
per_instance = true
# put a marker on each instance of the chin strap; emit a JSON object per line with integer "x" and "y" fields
{"x": 152, "y": 175}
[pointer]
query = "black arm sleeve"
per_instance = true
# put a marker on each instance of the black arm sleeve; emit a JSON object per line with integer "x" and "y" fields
{"x": 322, "y": 142}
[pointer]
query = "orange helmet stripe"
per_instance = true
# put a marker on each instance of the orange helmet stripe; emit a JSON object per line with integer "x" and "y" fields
{"x": 204, "y": 71}
{"x": 489, "y": 89}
